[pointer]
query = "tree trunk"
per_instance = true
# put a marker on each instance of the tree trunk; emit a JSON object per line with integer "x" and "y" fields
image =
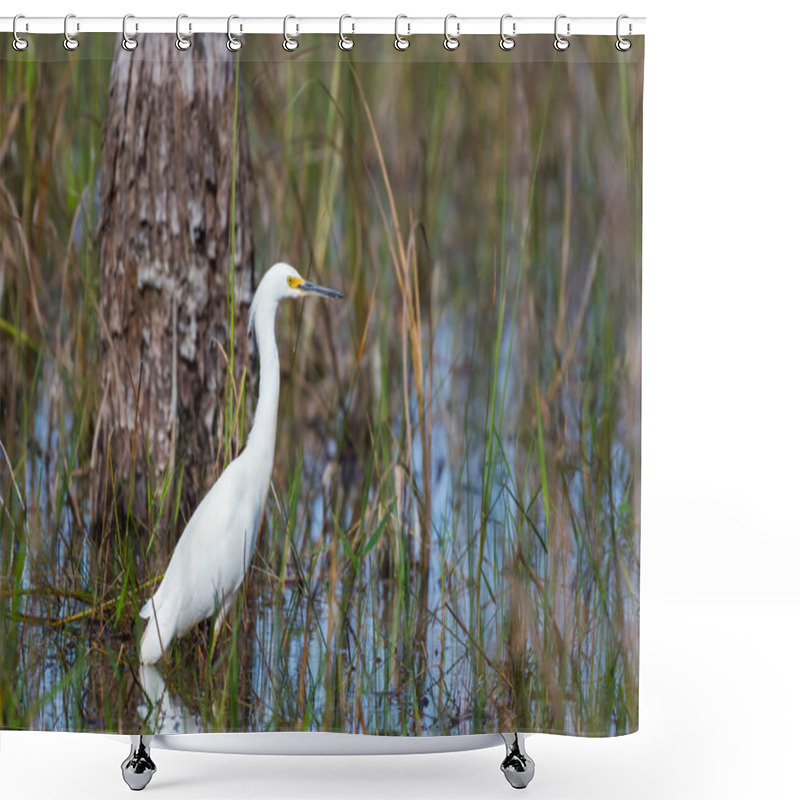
{"x": 165, "y": 276}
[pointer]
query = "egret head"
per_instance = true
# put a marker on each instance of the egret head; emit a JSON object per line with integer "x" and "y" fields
{"x": 280, "y": 282}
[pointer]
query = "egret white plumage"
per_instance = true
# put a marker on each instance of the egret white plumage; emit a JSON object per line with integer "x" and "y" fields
{"x": 214, "y": 552}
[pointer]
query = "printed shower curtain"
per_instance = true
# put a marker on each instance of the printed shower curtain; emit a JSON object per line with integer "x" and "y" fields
{"x": 449, "y": 541}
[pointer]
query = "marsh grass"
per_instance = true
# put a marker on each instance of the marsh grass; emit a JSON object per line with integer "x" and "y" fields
{"x": 452, "y": 541}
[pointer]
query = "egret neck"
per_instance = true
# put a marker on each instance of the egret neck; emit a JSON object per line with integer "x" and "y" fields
{"x": 260, "y": 449}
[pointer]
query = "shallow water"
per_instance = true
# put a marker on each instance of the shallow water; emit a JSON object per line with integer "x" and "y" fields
{"x": 445, "y": 692}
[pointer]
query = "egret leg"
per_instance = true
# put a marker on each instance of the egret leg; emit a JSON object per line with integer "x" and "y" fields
{"x": 218, "y": 623}
{"x": 517, "y": 766}
{"x": 138, "y": 768}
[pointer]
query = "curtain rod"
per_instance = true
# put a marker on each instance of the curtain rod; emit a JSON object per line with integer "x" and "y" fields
{"x": 298, "y": 25}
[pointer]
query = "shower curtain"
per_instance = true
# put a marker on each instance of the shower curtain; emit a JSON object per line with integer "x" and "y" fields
{"x": 450, "y": 536}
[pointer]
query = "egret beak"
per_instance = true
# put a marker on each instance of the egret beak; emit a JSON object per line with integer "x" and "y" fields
{"x": 313, "y": 288}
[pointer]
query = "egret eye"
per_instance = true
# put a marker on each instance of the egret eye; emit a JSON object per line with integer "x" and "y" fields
{"x": 294, "y": 282}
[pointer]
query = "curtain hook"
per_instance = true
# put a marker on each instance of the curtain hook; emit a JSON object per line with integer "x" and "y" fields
{"x": 129, "y": 43}
{"x": 19, "y": 44}
{"x": 401, "y": 42}
{"x": 70, "y": 42}
{"x": 345, "y": 42}
{"x": 451, "y": 42}
{"x": 290, "y": 43}
{"x": 623, "y": 45}
{"x": 560, "y": 42}
{"x": 234, "y": 43}
{"x": 181, "y": 42}
{"x": 507, "y": 42}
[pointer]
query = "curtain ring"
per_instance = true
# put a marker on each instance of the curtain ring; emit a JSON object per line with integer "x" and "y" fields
{"x": 129, "y": 43}
{"x": 345, "y": 42}
{"x": 507, "y": 42}
{"x": 623, "y": 45}
{"x": 19, "y": 44}
{"x": 290, "y": 43}
{"x": 401, "y": 42}
{"x": 451, "y": 42}
{"x": 181, "y": 42}
{"x": 560, "y": 42}
{"x": 70, "y": 42}
{"x": 234, "y": 43}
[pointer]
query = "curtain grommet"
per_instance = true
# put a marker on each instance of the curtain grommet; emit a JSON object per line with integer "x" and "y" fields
{"x": 623, "y": 45}
{"x": 290, "y": 43}
{"x": 345, "y": 42}
{"x": 128, "y": 43}
{"x": 18, "y": 43}
{"x": 70, "y": 42}
{"x": 181, "y": 42}
{"x": 234, "y": 43}
{"x": 401, "y": 43}
{"x": 560, "y": 43}
{"x": 451, "y": 42}
{"x": 507, "y": 42}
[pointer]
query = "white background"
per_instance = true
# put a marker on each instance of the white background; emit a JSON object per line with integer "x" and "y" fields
{"x": 720, "y": 614}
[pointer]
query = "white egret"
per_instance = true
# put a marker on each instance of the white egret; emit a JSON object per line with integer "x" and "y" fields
{"x": 214, "y": 552}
